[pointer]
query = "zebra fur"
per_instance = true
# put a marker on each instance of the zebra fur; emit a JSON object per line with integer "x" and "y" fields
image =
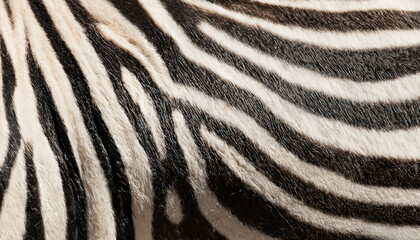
{"x": 209, "y": 119}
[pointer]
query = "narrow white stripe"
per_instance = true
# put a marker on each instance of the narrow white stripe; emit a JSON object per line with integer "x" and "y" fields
{"x": 13, "y": 209}
{"x": 100, "y": 220}
{"x": 132, "y": 153}
{"x": 105, "y": 13}
{"x": 111, "y": 18}
{"x": 262, "y": 185}
{"x": 147, "y": 107}
{"x": 46, "y": 166}
{"x": 353, "y": 40}
{"x": 214, "y": 107}
{"x": 173, "y": 207}
{"x": 4, "y": 129}
{"x": 321, "y": 178}
{"x": 347, "y": 6}
{"x": 399, "y": 143}
{"x": 220, "y": 218}
{"x": 396, "y": 90}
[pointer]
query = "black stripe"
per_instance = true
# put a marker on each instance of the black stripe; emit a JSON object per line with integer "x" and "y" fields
{"x": 361, "y": 169}
{"x": 247, "y": 205}
{"x": 382, "y": 116}
{"x": 173, "y": 170}
{"x": 357, "y": 65}
{"x": 157, "y": 38}
{"x": 34, "y": 222}
{"x": 104, "y": 144}
{"x": 306, "y": 192}
{"x": 366, "y": 170}
{"x": 322, "y": 20}
{"x": 56, "y": 133}
{"x": 255, "y": 211}
{"x": 111, "y": 57}
{"x": 8, "y": 11}
{"x": 9, "y": 84}
{"x": 178, "y": 65}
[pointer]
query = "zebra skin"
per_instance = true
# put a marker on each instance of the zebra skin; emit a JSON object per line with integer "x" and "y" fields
{"x": 217, "y": 119}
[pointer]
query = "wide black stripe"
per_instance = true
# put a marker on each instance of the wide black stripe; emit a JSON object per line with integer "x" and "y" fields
{"x": 366, "y": 170}
{"x": 357, "y": 65}
{"x": 168, "y": 52}
{"x": 322, "y": 20}
{"x": 361, "y": 169}
{"x": 14, "y": 142}
{"x": 34, "y": 222}
{"x": 108, "y": 54}
{"x": 306, "y": 192}
{"x": 103, "y": 142}
{"x": 381, "y": 116}
{"x": 56, "y": 133}
{"x": 173, "y": 170}
{"x": 112, "y": 58}
{"x": 246, "y": 204}
{"x": 263, "y": 215}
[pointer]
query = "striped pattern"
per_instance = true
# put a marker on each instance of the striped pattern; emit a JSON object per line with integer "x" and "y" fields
{"x": 195, "y": 119}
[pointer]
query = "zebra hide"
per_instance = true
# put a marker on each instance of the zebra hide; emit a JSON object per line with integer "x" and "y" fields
{"x": 209, "y": 119}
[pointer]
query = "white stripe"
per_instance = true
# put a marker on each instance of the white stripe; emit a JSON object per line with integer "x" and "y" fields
{"x": 147, "y": 107}
{"x": 263, "y": 186}
{"x": 396, "y": 90}
{"x": 13, "y": 209}
{"x": 399, "y": 143}
{"x": 4, "y": 130}
{"x": 46, "y": 166}
{"x": 220, "y": 218}
{"x": 105, "y": 13}
{"x": 132, "y": 153}
{"x": 112, "y": 22}
{"x": 347, "y": 6}
{"x": 100, "y": 214}
{"x": 173, "y": 208}
{"x": 352, "y": 40}
{"x": 319, "y": 177}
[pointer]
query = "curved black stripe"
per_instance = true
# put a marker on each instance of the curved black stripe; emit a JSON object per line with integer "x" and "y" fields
{"x": 365, "y": 170}
{"x": 34, "y": 221}
{"x": 163, "y": 172}
{"x": 9, "y": 84}
{"x": 267, "y": 217}
{"x": 370, "y": 20}
{"x": 381, "y": 116}
{"x": 109, "y": 53}
{"x": 247, "y": 205}
{"x": 357, "y": 65}
{"x": 104, "y": 144}
{"x": 172, "y": 171}
{"x": 168, "y": 52}
{"x": 306, "y": 192}
{"x": 56, "y": 133}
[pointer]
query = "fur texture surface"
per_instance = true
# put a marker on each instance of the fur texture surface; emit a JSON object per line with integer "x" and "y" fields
{"x": 209, "y": 119}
